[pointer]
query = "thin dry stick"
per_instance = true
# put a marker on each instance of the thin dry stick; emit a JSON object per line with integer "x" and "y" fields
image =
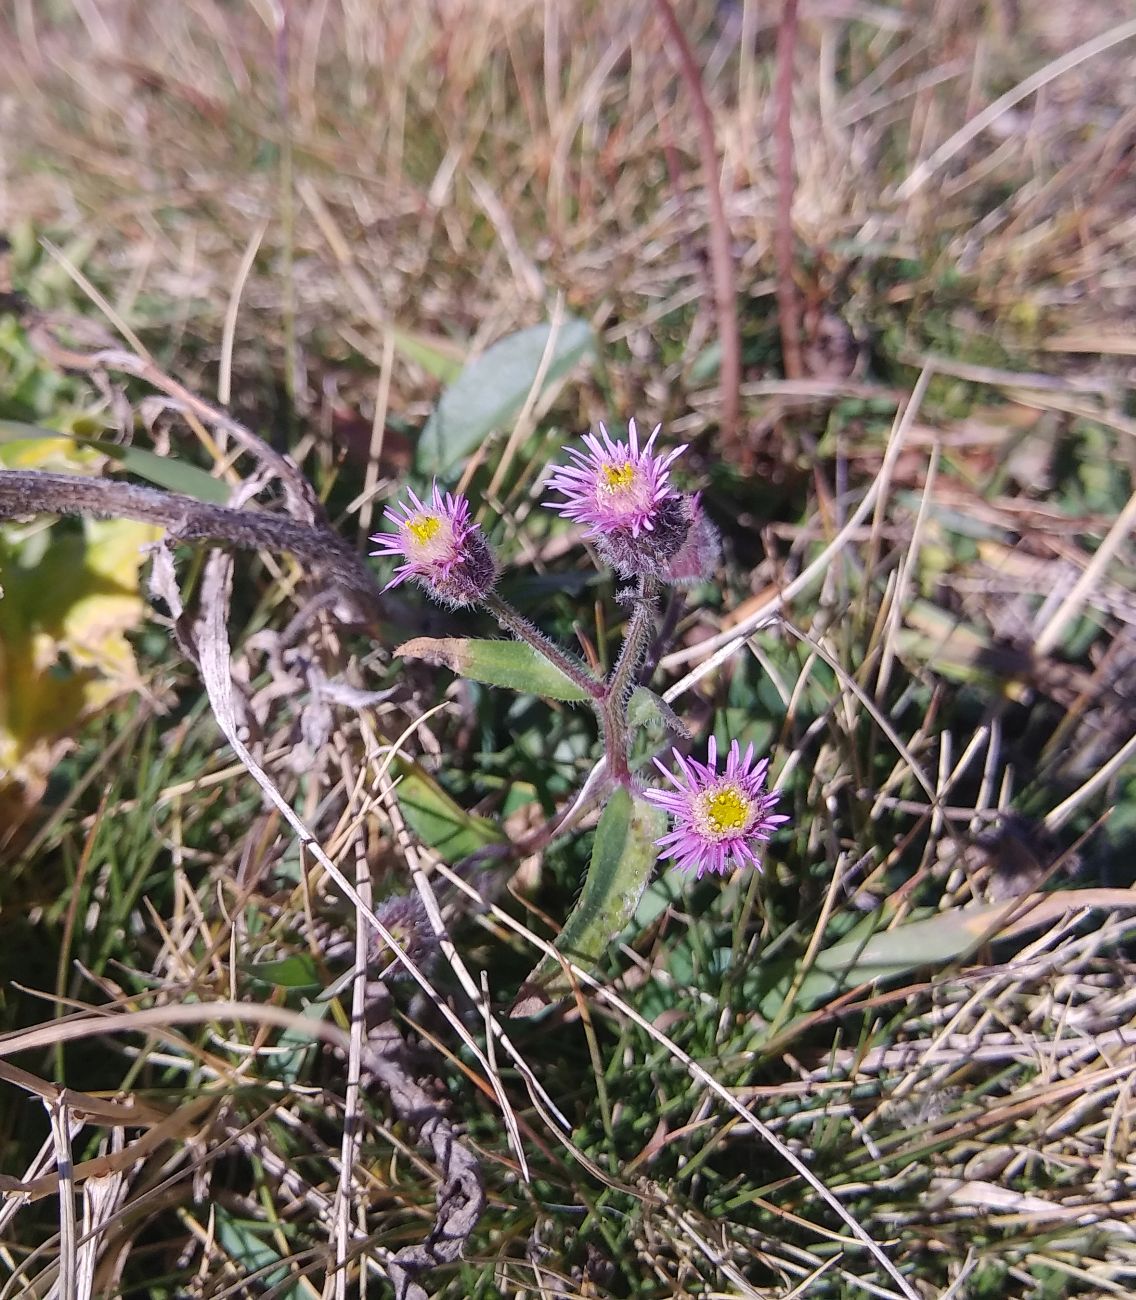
{"x": 214, "y": 667}
{"x": 378, "y": 435}
{"x": 523, "y": 424}
{"x": 301, "y": 496}
{"x": 229, "y": 329}
{"x": 906, "y": 570}
{"x": 1057, "y": 817}
{"x": 160, "y": 1020}
{"x": 1048, "y": 636}
{"x": 102, "y": 1195}
{"x": 97, "y": 298}
{"x": 721, "y": 261}
{"x": 788, "y": 309}
{"x": 720, "y": 647}
{"x": 851, "y": 684}
{"x": 351, "y": 1095}
{"x": 457, "y": 965}
{"x": 35, "y": 492}
{"x": 68, "y": 1229}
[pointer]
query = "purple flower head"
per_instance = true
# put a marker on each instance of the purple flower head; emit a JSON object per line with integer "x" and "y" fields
{"x": 720, "y": 819}
{"x": 444, "y": 549}
{"x": 621, "y": 494}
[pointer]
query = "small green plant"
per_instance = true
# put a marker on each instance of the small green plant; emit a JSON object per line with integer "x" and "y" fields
{"x": 651, "y": 533}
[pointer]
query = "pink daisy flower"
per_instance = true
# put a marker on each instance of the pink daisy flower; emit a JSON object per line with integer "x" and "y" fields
{"x": 721, "y": 820}
{"x": 614, "y": 487}
{"x": 443, "y": 548}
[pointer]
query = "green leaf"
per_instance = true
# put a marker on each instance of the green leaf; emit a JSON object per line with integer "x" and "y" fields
{"x": 165, "y": 471}
{"x": 295, "y": 1049}
{"x": 646, "y": 709}
{"x": 437, "y": 820}
{"x": 295, "y": 972}
{"x": 243, "y": 1240}
{"x": 438, "y": 357}
{"x": 513, "y": 664}
{"x": 623, "y": 856}
{"x": 938, "y": 939}
{"x": 492, "y": 388}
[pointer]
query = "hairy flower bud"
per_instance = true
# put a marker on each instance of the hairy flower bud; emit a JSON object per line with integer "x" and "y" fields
{"x": 648, "y": 553}
{"x": 404, "y": 916}
{"x": 444, "y": 549}
{"x": 697, "y": 558}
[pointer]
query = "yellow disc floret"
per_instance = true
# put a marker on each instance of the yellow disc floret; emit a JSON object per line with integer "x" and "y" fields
{"x": 424, "y": 529}
{"x": 724, "y": 811}
{"x": 618, "y": 478}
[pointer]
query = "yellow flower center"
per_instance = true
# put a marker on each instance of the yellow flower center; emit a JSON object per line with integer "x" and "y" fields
{"x": 618, "y": 478}
{"x": 724, "y": 811}
{"x": 424, "y": 529}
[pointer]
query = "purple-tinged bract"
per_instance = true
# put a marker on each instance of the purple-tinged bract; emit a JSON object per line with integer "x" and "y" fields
{"x": 622, "y": 495}
{"x": 443, "y": 548}
{"x": 721, "y": 819}
{"x": 697, "y": 558}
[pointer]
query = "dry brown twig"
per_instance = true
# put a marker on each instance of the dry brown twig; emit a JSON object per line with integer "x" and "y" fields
{"x": 32, "y": 492}
{"x": 787, "y": 305}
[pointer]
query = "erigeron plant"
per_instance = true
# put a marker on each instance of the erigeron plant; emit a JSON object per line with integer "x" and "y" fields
{"x": 721, "y": 815}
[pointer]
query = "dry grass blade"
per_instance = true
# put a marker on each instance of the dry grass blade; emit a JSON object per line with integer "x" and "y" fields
{"x": 718, "y": 649}
{"x": 697, "y": 1072}
{"x": 989, "y": 115}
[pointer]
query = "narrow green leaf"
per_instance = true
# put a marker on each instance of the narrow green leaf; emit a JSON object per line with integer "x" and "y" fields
{"x": 244, "y": 1242}
{"x": 513, "y": 664}
{"x": 295, "y": 972}
{"x": 438, "y": 357}
{"x": 437, "y": 820}
{"x": 623, "y": 856}
{"x": 934, "y": 940}
{"x": 296, "y": 1050}
{"x": 165, "y": 471}
{"x": 491, "y": 389}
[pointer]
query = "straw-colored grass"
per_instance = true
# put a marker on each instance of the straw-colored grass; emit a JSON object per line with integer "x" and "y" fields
{"x": 257, "y": 1039}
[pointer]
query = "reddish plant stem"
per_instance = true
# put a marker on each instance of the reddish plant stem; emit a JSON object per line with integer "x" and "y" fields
{"x": 788, "y": 308}
{"x": 721, "y": 262}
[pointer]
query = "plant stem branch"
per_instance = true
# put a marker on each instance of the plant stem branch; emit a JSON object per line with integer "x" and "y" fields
{"x": 673, "y": 611}
{"x": 614, "y": 705}
{"x": 512, "y": 620}
{"x": 35, "y": 492}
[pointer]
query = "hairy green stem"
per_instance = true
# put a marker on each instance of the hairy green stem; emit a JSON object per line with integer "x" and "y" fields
{"x": 613, "y": 710}
{"x": 610, "y": 696}
{"x": 573, "y": 668}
